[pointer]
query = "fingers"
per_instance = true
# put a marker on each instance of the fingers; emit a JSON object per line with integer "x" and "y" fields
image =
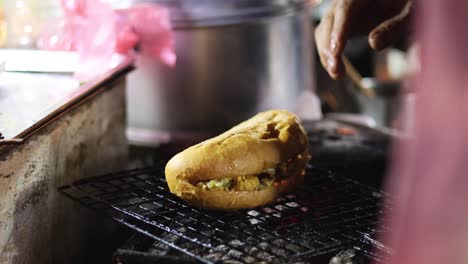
{"x": 390, "y": 30}
{"x": 322, "y": 39}
{"x": 341, "y": 26}
{"x": 331, "y": 36}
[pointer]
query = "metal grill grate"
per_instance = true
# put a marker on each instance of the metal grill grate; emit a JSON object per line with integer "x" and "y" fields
{"x": 329, "y": 213}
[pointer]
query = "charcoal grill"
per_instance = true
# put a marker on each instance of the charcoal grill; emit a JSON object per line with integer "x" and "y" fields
{"x": 330, "y": 213}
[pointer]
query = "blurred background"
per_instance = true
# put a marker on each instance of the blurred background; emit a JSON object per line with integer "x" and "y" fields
{"x": 275, "y": 66}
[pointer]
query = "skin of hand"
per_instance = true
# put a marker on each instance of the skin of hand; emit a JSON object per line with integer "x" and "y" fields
{"x": 384, "y": 21}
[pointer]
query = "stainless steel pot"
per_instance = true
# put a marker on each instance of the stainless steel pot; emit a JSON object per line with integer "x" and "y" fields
{"x": 234, "y": 58}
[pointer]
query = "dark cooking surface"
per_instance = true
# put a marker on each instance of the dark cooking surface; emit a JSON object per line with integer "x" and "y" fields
{"x": 330, "y": 213}
{"x": 361, "y": 156}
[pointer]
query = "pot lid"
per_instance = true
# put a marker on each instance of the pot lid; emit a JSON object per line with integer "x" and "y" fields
{"x": 224, "y": 12}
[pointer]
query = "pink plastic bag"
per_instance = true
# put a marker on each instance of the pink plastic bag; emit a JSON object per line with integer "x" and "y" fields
{"x": 150, "y": 26}
{"x": 98, "y": 32}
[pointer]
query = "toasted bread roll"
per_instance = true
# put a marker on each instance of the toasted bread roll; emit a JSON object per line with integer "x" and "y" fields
{"x": 247, "y": 166}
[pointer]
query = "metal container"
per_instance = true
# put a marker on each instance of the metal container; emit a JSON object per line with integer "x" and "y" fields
{"x": 234, "y": 58}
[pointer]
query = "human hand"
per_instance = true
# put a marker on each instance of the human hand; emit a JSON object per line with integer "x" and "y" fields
{"x": 384, "y": 21}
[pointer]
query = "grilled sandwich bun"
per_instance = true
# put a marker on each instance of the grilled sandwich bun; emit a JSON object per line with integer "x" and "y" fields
{"x": 247, "y": 166}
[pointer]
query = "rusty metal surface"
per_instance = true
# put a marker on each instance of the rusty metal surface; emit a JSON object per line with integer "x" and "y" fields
{"x": 31, "y": 101}
{"x": 36, "y": 224}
